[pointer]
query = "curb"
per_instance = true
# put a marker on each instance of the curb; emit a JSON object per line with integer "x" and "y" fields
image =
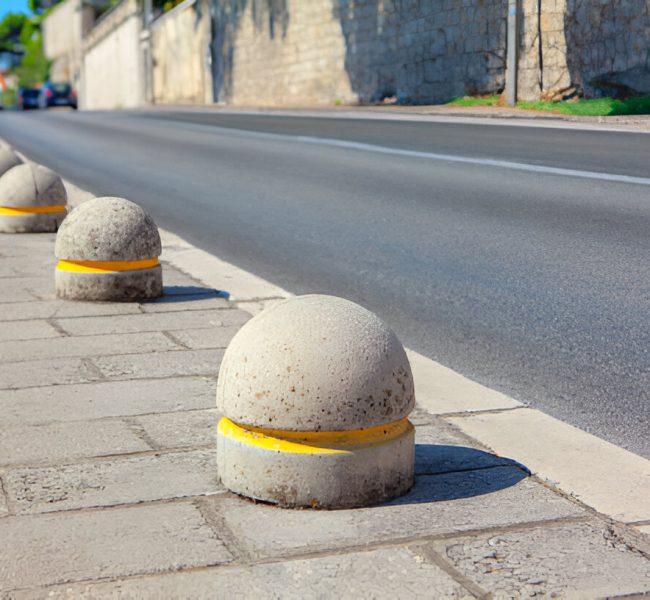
{"x": 612, "y": 481}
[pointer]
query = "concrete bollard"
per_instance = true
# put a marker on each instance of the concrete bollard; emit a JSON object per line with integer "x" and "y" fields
{"x": 8, "y": 158}
{"x": 316, "y": 391}
{"x": 108, "y": 250}
{"x": 32, "y": 199}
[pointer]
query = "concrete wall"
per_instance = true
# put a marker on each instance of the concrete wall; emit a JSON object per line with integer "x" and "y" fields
{"x": 113, "y": 60}
{"x": 63, "y": 32}
{"x": 181, "y": 43}
{"x": 324, "y": 51}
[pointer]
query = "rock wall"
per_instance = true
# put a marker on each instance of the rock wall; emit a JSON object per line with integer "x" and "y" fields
{"x": 327, "y": 51}
{"x": 113, "y": 61}
{"x": 592, "y": 47}
{"x": 180, "y": 47}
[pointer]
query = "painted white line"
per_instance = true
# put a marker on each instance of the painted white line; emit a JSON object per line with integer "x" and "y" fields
{"x": 451, "y": 158}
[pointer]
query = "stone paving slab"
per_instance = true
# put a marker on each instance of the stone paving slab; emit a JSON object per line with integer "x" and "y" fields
{"x": 67, "y": 403}
{"x": 124, "y": 480}
{"x": 404, "y": 573}
{"x": 438, "y": 504}
{"x": 181, "y": 429}
{"x": 161, "y": 364}
{"x": 87, "y": 346}
{"x": 47, "y": 309}
{"x": 53, "y": 371}
{"x": 12, "y": 331}
{"x": 202, "y": 339}
{"x": 577, "y": 560}
{"x": 160, "y": 321}
{"x": 59, "y": 548}
{"x": 57, "y": 442}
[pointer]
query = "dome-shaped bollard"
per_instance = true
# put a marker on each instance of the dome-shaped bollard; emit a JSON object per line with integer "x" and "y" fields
{"x": 316, "y": 391}
{"x": 108, "y": 250}
{"x": 32, "y": 199}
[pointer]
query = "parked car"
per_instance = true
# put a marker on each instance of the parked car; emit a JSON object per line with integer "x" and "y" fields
{"x": 27, "y": 98}
{"x": 57, "y": 94}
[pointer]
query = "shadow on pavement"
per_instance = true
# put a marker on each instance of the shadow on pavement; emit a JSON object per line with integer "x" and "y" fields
{"x": 188, "y": 293}
{"x": 444, "y": 472}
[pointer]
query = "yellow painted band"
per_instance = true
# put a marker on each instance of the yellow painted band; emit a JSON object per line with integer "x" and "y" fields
{"x": 312, "y": 442}
{"x": 105, "y": 266}
{"x": 31, "y": 210}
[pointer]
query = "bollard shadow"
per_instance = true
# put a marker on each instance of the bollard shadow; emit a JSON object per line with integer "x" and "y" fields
{"x": 445, "y": 472}
{"x": 188, "y": 293}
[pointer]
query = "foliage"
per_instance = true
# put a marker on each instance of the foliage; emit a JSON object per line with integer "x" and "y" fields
{"x": 635, "y": 105}
{"x": 475, "y": 101}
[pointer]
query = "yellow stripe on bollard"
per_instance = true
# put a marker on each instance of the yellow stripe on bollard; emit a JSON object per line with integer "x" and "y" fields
{"x": 17, "y": 211}
{"x": 312, "y": 442}
{"x": 106, "y": 266}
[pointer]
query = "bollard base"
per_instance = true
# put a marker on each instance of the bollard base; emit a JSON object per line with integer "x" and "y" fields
{"x": 124, "y": 286}
{"x": 338, "y": 475}
{"x": 33, "y": 223}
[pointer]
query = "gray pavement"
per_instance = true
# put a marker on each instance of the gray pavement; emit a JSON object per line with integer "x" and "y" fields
{"x": 531, "y": 283}
{"x": 109, "y": 485}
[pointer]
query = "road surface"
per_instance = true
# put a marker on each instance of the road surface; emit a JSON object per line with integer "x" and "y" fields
{"x": 518, "y": 256}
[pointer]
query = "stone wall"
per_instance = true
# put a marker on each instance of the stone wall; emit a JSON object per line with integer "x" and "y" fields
{"x": 592, "y": 47}
{"x": 181, "y": 45}
{"x": 113, "y": 62}
{"x": 326, "y": 51}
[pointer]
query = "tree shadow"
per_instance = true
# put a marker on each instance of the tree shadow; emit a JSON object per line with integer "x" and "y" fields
{"x": 188, "y": 293}
{"x": 445, "y": 472}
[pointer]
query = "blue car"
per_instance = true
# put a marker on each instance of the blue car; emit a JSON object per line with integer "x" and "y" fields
{"x": 57, "y": 94}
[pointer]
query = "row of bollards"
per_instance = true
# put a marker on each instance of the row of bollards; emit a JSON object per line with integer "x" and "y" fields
{"x": 315, "y": 390}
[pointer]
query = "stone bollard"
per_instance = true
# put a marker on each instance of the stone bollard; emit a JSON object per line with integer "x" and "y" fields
{"x": 108, "y": 250}
{"x": 8, "y": 159}
{"x": 32, "y": 199}
{"x": 316, "y": 391}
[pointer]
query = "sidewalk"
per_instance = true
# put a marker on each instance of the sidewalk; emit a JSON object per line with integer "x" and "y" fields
{"x": 109, "y": 487}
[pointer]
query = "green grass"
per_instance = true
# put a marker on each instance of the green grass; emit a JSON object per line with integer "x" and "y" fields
{"x": 600, "y": 107}
{"x": 475, "y": 101}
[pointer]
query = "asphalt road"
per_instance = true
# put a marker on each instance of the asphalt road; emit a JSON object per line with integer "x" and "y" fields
{"x": 532, "y": 280}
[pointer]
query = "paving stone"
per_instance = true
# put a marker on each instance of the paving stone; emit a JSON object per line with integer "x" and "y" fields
{"x": 214, "y": 337}
{"x": 149, "y": 322}
{"x": 64, "y": 441}
{"x": 49, "y": 549}
{"x": 403, "y": 574}
{"x": 84, "y": 402}
{"x": 14, "y": 293}
{"x": 125, "y": 480}
{"x": 183, "y": 298}
{"x": 26, "y": 330}
{"x": 580, "y": 560}
{"x": 86, "y": 346}
{"x": 55, "y": 371}
{"x": 162, "y": 364}
{"x": 3, "y": 501}
{"x": 38, "y": 286}
{"x": 181, "y": 429}
{"x": 45, "y": 309}
{"x": 438, "y": 504}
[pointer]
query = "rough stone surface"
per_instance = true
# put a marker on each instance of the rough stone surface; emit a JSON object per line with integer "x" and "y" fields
{"x": 27, "y": 185}
{"x": 88, "y": 401}
{"x": 54, "y": 442}
{"x": 111, "y": 482}
{"x": 126, "y": 286}
{"x": 581, "y": 560}
{"x": 49, "y": 549}
{"x": 366, "y": 474}
{"x": 405, "y": 574}
{"x": 185, "y": 429}
{"x": 12, "y": 332}
{"x": 53, "y": 371}
{"x": 438, "y": 504}
{"x": 108, "y": 229}
{"x": 315, "y": 363}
